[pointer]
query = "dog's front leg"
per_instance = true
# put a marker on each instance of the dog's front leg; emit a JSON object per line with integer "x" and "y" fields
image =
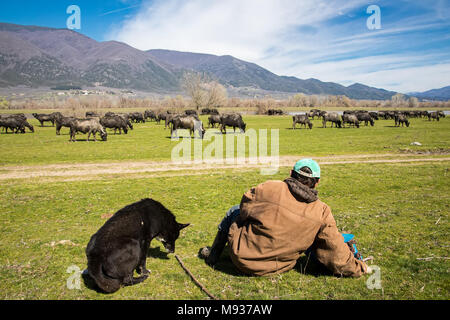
{"x": 141, "y": 268}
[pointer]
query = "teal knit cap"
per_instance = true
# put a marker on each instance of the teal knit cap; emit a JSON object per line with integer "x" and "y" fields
{"x": 310, "y": 163}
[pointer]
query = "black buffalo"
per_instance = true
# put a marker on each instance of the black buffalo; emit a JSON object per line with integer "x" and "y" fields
{"x": 365, "y": 116}
{"x": 401, "y": 119}
{"x": 42, "y": 117}
{"x": 187, "y": 122}
{"x": 232, "y": 120}
{"x": 89, "y": 126}
{"x": 212, "y": 120}
{"x": 351, "y": 119}
{"x": 302, "y": 119}
{"x": 114, "y": 122}
{"x": 62, "y": 121}
{"x": 333, "y": 117}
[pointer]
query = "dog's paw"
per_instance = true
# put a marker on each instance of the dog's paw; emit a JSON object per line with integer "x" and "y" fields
{"x": 143, "y": 271}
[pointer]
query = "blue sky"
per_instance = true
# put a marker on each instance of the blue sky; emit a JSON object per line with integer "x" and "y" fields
{"x": 328, "y": 40}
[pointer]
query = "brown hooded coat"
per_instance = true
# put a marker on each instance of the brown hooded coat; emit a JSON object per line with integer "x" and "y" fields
{"x": 278, "y": 221}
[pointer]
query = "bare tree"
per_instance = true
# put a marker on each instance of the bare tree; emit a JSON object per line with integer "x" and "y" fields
{"x": 204, "y": 92}
{"x": 192, "y": 84}
{"x": 215, "y": 95}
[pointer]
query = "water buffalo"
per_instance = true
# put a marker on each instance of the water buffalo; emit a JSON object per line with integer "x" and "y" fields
{"x": 22, "y": 122}
{"x": 190, "y": 112}
{"x": 114, "y": 122}
{"x": 351, "y": 119}
{"x": 126, "y": 117}
{"x": 187, "y": 122}
{"x": 274, "y": 112}
{"x": 314, "y": 113}
{"x": 232, "y": 120}
{"x": 168, "y": 122}
{"x": 209, "y": 111}
{"x": 302, "y": 119}
{"x": 401, "y": 119}
{"x": 92, "y": 114}
{"x": 333, "y": 117}
{"x": 137, "y": 117}
{"x": 42, "y": 117}
{"x": 162, "y": 116}
{"x": 374, "y": 115}
{"x": 149, "y": 114}
{"x": 433, "y": 115}
{"x": 62, "y": 121}
{"x": 365, "y": 116}
{"x": 212, "y": 120}
{"x": 89, "y": 126}
{"x": 15, "y": 124}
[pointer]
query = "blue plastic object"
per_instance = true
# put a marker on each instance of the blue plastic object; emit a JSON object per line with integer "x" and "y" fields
{"x": 347, "y": 238}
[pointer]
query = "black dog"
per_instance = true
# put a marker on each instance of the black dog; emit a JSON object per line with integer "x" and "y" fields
{"x": 120, "y": 246}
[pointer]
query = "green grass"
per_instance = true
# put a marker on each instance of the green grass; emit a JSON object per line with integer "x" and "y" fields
{"x": 398, "y": 212}
{"x": 150, "y": 141}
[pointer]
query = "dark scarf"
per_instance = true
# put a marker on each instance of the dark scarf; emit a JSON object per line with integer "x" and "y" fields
{"x": 301, "y": 192}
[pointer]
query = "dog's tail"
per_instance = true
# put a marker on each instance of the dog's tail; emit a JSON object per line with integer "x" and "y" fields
{"x": 105, "y": 283}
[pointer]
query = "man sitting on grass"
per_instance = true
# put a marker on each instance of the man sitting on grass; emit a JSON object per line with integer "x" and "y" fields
{"x": 279, "y": 220}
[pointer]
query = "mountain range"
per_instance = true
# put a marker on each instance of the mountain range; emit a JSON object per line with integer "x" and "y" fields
{"x": 434, "y": 94}
{"x": 41, "y": 56}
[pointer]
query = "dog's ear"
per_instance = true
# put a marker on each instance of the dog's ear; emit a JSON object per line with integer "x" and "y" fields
{"x": 182, "y": 226}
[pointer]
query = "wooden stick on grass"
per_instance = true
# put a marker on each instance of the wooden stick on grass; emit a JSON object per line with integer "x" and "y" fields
{"x": 194, "y": 279}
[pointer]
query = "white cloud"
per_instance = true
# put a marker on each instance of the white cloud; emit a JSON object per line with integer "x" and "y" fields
{"x": 244, "y": 29}
{"x": 289, "y": 38}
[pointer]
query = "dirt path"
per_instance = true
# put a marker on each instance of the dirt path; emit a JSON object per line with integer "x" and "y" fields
{"x": 87, "y": 170}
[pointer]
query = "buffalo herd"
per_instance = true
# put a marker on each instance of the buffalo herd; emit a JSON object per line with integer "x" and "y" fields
{"x": 353, "y": 118}
{"x": 94, "y": 123}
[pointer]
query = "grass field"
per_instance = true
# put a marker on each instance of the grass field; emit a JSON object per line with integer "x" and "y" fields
{"x": 399, "y": 212}
{"x": 150, "y": 141}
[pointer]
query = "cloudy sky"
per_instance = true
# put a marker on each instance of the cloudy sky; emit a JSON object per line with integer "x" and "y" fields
{"x": 326, "y": 40}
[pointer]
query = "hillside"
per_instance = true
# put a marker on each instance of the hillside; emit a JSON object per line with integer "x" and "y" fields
{"x": 40, "y": 56}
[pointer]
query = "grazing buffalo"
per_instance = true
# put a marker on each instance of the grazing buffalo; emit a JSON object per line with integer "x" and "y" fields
{"x": 365, "y": 116}
{"x": 302, "y": 119}
{"x": 92, "y": 114}
{"x": 274, "y": 112}
{"x": 314, "y": 113}
{"x": 89, "y": 126}
{"x": 401, "y": 119}
{"x": 351, "y": 119}
{"x": 213, "y": 119}
{"x": 333, "y": 117}
{"x": 169, "y": 119}
{"x": 126, "y": 117}
{"x": 162, "y": 116}
{"x": 22, "y": 121}
{"x": 190, "y": 112}
{"x": 209, "y": 111}
{"x": 114, "y": 122}
{"x": 187, "y": 122}
{"x": 433, "y": 115}
{"x": 137, "y": 117}
{"x": 41, "y": 117}
{"x": 149, "y": 114}
{"x": 232, "y": 120}
{"x": 15, "y": 123}
{"x": 374, "y": 115}
{"x": 62, "y": 121}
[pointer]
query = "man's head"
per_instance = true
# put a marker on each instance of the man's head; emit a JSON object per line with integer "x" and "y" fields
{"x": 307, "y": 171}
